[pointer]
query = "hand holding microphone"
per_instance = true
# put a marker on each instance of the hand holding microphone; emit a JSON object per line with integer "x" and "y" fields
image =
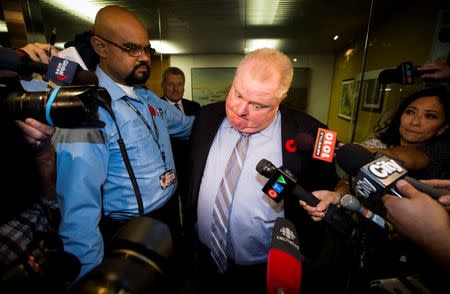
{"x": 39, "y": 52}
{"x": 443, "y": 185}
{"x": 437, "y": 70}
{"x": 326, "y": 198}
{"x": 376, "y": 176}
{"x": 282, "y": 184}
{"x": 421, "y": 219}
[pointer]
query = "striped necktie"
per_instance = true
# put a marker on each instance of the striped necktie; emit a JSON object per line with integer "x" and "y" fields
{"x": 224, "y": 198}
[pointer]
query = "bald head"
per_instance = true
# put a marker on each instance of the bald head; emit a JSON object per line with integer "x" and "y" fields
{"x": 112, "y": 21}
{"x": 118, "y": 35}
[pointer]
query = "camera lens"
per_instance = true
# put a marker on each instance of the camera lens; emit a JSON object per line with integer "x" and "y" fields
{"x": 64, "y": 107}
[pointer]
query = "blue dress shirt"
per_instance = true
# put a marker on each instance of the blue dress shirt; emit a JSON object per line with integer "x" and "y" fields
{"x": 253, "y": 214}
{"x": 91, "y": 173}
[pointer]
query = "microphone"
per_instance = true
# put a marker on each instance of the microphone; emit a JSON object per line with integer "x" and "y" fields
{"x": 61, "y": 71}
{"x": 322, "y": 147}
{"x": 65, "y": 72}
{"x": 351, "y": 157}
{"x": 282, "y": 182}
{"x": 325, "y": 143}
{"x": 374, "y": 177}
{"x": 352, "y": 203}
{"x": 284, "y": 260}
{"x": 403, "y": 74}
{"x": 302, "y": 143}
{"x": 18, "y": 61}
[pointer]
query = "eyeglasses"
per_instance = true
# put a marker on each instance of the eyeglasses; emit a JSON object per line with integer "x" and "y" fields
{"x": 132, "y": 50}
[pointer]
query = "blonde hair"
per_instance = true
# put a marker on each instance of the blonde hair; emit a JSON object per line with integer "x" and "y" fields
{"x": 268, "y": 63}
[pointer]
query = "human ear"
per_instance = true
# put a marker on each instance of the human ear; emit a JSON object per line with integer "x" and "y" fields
{"x": 99, "y": 46}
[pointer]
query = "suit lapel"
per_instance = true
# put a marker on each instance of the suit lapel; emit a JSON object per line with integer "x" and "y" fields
{"x": 289, "y": 129}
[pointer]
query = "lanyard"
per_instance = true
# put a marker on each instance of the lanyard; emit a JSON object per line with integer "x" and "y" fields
{"x": 155, "y": 134}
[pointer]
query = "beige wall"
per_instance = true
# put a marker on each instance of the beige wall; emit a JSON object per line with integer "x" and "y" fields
{"x": 158, "y": 65}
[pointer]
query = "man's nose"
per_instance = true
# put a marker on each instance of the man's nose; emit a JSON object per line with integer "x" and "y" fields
{"x": 145, "y": 57}
{"x": 242, "y": 108}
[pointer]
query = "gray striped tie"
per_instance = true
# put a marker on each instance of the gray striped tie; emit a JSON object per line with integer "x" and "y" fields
{"x": 223, "y": 201}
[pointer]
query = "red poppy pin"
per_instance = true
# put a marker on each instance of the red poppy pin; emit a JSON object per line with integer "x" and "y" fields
{"x": 152, "y": 110}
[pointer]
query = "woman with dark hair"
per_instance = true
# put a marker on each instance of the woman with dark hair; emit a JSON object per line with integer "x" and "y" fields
{"x": 422, "y": 120}
{"x": 418, "y": 136}
{"x": 418, "y": 130}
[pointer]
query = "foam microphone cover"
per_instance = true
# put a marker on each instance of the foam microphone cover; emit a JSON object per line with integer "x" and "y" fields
{"x": 351, "y": 157}
{"x": 304, "y": 143}
{"x": 284, "y": 267}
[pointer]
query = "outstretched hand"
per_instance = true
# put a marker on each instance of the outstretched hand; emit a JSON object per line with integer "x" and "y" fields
{"x": 326, "y": 198}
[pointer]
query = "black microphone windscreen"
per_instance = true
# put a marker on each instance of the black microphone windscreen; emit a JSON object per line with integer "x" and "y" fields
{"x": 351, "y": 157}
{"x": 266, "y": 168}
{"x": 37, "y": 67}
{"x": 304, "y": 143}
{"x": 389, "y": 76}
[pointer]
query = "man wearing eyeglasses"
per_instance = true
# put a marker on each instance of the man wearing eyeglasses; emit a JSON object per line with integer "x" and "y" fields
{"x": 93, "y": 182}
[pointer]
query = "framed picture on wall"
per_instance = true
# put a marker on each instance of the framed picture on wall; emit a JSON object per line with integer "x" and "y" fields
{"x": 211, "y": 84}
{"x": 347, "y": 99}
{"x": 373, "y": 96}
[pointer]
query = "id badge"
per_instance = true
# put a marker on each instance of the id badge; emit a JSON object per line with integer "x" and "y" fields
{"x": 167, "y": 179}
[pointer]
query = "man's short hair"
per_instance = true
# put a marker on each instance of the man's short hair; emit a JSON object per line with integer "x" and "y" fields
{"x": 172, "y": 71}
{"x": 267, "y": 62}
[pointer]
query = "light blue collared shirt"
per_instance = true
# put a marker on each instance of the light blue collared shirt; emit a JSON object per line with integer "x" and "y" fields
{"x": 90, "y": 167}
{"x": 253, "y": 214}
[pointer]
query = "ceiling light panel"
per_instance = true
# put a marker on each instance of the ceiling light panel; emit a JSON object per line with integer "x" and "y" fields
{"x": 84, "y": 9}
{"x": 261, "y": 12}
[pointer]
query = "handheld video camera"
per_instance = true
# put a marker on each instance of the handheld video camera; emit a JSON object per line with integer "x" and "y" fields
{"x": 73, "y": 104}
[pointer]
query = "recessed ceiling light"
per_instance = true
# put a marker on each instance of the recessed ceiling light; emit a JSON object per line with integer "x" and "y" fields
{"x": 258, "y": 14}
{"x": 336, "y": 37}
{"x": 253, "y": 44}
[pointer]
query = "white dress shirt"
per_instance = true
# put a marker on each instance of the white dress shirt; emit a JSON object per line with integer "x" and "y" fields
{"x": 180, "y": 105}
{"x": 253, "y": 214}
